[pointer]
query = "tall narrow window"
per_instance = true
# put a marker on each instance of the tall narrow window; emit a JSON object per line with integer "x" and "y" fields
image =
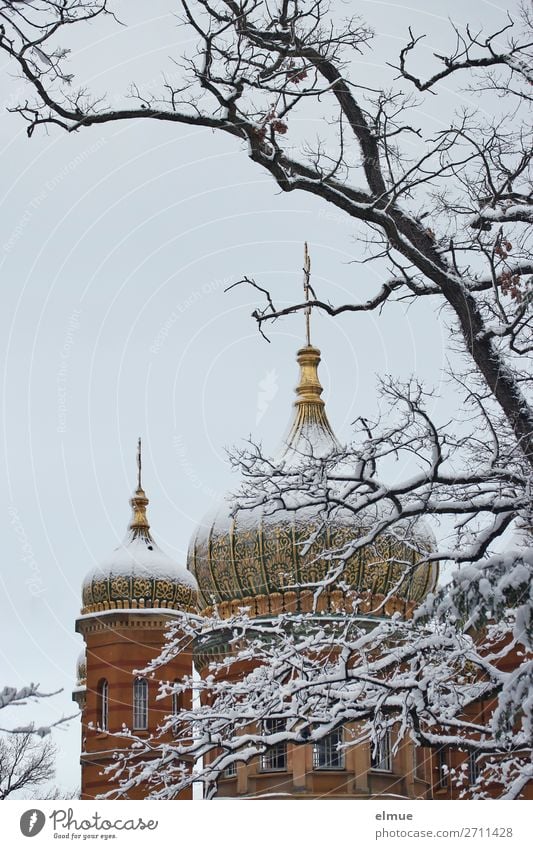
{"x": 442, "y": 766}
{"x": 381, "y": 757}
{"x": 103, "y": 705}
{"x": 140, "y": 704}
{"x": 326, "y": 752}
{"x": 473, "y": 768}
{"x": 275, "y": 758}
{"x": 177, "y": 698}
{"x": 421, "y": 761}
{"x": 176, "y": 701}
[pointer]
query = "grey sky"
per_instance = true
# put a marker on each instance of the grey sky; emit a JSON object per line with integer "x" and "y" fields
{"x": 115, "y": 248}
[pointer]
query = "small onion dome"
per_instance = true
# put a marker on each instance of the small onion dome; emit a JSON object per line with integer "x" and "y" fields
{"x": 138, "y": 574}
{"x": 81, "y": 670}
{"x": 269, "y": 560}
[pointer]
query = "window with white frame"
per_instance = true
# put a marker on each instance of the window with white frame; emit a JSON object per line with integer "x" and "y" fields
{"x": 327, "y": 753}
{"x": 140, "y": 704}
{"x": 231, "y": 770}
{"x": 103, "y": 704}
{"x": 275, "y": 758}
{"x": 381, "y": 754}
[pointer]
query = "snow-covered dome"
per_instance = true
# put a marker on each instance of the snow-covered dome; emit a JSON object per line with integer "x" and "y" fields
{"x": 262, "y": 559}
{"x": 138, "y": 574}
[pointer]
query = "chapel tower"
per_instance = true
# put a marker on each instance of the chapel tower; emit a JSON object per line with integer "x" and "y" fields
{"x": 267, "y": 560}
{"x": 127, "y": 602}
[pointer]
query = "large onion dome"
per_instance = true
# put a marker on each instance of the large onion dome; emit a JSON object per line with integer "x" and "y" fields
{"x": 268, "y": 560}
{"x": 138, "y": 574}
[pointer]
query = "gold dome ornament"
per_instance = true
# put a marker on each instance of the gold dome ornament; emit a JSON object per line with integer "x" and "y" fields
{"x": 139, "y": 526}
{"x": 310, "y": 430}
{"x": 138, "y": 574}
{"x": 268, "y": 559}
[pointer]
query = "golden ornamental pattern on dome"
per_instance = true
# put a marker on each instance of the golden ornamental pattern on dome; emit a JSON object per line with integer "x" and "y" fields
{"x": 137, "y": 593}
{"x": 265, "y": 563}
{"x": 138, "y": 574}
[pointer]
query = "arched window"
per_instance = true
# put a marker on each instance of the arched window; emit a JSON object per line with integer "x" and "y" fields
{"x": 103, "y": 704}
{"x": 140, "y": 704}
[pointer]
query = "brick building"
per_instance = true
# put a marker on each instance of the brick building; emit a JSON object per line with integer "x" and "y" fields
{"x": 256, "y": 563}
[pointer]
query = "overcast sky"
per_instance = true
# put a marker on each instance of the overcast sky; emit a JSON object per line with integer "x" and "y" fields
{"x": 116, "y": 245}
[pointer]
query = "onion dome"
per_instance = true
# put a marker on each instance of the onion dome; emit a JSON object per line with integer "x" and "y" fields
{"x": 268, "y": 558}
{"x": 138, "y": 574}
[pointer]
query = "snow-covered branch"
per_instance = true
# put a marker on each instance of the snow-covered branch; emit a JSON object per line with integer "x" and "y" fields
{"x": 21, "y": 697}
{"x": 253, "y": 71}
{"x": 296, "y": 677}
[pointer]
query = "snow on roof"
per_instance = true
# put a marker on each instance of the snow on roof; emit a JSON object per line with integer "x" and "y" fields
{"x": 218, "y": 521}
{"x": 167, "y": 612}
{"x": 140, "y": 557}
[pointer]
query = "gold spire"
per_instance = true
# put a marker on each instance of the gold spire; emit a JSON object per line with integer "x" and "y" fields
{"x": 310, "y": 431}
{"x": 309, "y": 388}
{"x": 139, "y": 525}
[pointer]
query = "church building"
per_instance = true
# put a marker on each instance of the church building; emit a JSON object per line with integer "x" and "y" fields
{"x": 255, "y": 562}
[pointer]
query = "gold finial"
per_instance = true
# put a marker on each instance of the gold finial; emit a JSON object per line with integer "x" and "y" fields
{"x": 309, "y": 388}
{"x": 139, "y": 524}
{"x": 307, "y": 287}
{"x": 310, "y": 430}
